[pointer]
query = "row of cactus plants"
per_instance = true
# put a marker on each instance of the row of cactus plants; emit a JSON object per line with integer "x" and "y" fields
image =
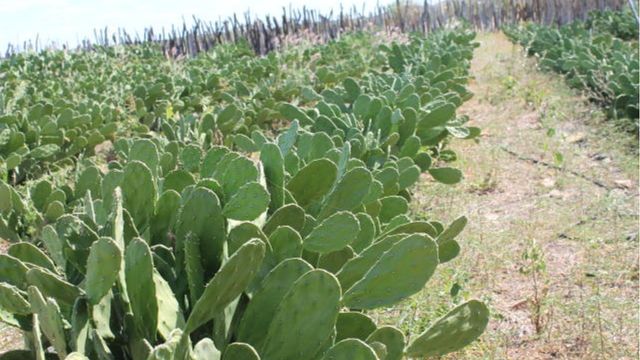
{"x": 249, "y": 246}
{"x": 598, "y": 56}
{"x": 379, "y": 112}
{"x": 56, "y": 106}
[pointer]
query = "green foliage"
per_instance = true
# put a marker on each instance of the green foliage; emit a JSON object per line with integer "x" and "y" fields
{"x": 599, "y": 56}
{"x": 272, "y": 245}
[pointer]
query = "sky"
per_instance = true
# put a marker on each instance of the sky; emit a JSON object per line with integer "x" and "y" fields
{"x": 69, "y": 21}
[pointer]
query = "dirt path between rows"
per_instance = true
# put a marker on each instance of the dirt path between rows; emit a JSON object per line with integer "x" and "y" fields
{"x": 551, "y": 193}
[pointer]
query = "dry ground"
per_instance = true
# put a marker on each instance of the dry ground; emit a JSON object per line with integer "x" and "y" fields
{"x": 552, "y": 248}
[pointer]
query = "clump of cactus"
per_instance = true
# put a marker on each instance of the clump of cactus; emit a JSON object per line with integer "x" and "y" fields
{"x": 202, "y": 269}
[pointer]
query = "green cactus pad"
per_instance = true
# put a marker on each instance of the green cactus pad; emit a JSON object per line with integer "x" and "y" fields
{"x": 240, "y": 351}
{"x": 242, "y": 233}
{"x": 6, "y": 196}
{"x": 145, "y": 151}
{"x": 437, "y": 117}
{"x": 52, "y": 286}
{"x": 178, "y": 180}
{"x": 333, "y": 261}
{"x": 101, "y": 316}
{"x": 44, "y": 152}
{"x": 110, "y": 182}
{"x": 366, "y": 234}
{"x": 408, "y": 177}
{"x": 239, "y": 172}
{"x": 248, "y": 203}
{"x": 193, "y": 267}
{"x": 103, "y": 266}
{"x": 139, "y": 193}
{"x": 401, "y": 272}
{"x": 350, "y": 349}
{"x": 100, "y": 346}
{"x": 285, "y": 243}
{"x": 190, "y": 158}
{"x": 287, "y": 139}
{"x": 211, "y": 160}
{"x": 273, "y": 164}
{"x": 50, "y": 319}
{"x": 264, "y": 303}
{"x": 389, "y": 178}
{"x": 396, "y": 221}
{"x": 30, "y": 254}
{"x": 80, "y": 326}
{"x": 348, "y": 193}
{"x": 244, "y": 143}
{"x": 54, "y": 210}
{"x": 13, "y": 300}
{"x": 411, "y": 228}
{"x": 228, "y": 283}
{"x": 89, "y": 180}
{"x": 355, "y": 325}
{"x": 201, "y": 215}
{"x": 166, "y": 351}
{"x": 291, "y": 113}
{"x": 334, "y": 233}
{"x": 392, "y": 206}
{"x": 446, "y": 175}
{"x": 141, "y": 288}
{"x": 290, "y": 215}
{"x": 393, "y": 340}
{"x": 313, "y": 181}
{"x": 410, "y": 147}
{"x": 379, "y": 348}
{"x": 76, "y": 356}
{"x": 165, "y": 217}
{"x": 169, "y": 314}
{"x": 355, "y": 269}
{"x": 448, "y": 247}
{"x": 455, "y": 330}
{"x": 53, "y": 244}
{"x": 307, "y": 313}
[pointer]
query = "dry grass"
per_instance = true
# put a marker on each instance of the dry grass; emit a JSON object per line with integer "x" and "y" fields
{"x": 554, "y": 255}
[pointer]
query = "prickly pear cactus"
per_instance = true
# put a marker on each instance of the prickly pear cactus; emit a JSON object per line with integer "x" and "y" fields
{"x": 350, "y": 349}
{"x": 141, "y": 289}
{"x": 103, "y": 266}
{"x": 227, "y": 284}
{"x": 332, "y": 234}
{"x": 401, "y": 271}
{"x": 308, "y": 312}
{"x": 273, "y": 245}
{"x": 265, "y": 301}
{"x": 240, "y": 351}
{"x": 452, "y": 332}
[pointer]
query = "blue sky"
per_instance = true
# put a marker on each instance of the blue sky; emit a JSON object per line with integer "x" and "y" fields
{"x": 73, "y": 20}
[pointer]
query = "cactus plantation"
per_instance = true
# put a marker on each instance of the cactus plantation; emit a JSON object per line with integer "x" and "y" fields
{"x": 245, "y": 208}
{"x": 230, "y": 205}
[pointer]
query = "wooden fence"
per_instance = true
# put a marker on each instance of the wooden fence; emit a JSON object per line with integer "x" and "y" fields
{"x": 269, "y": 33}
